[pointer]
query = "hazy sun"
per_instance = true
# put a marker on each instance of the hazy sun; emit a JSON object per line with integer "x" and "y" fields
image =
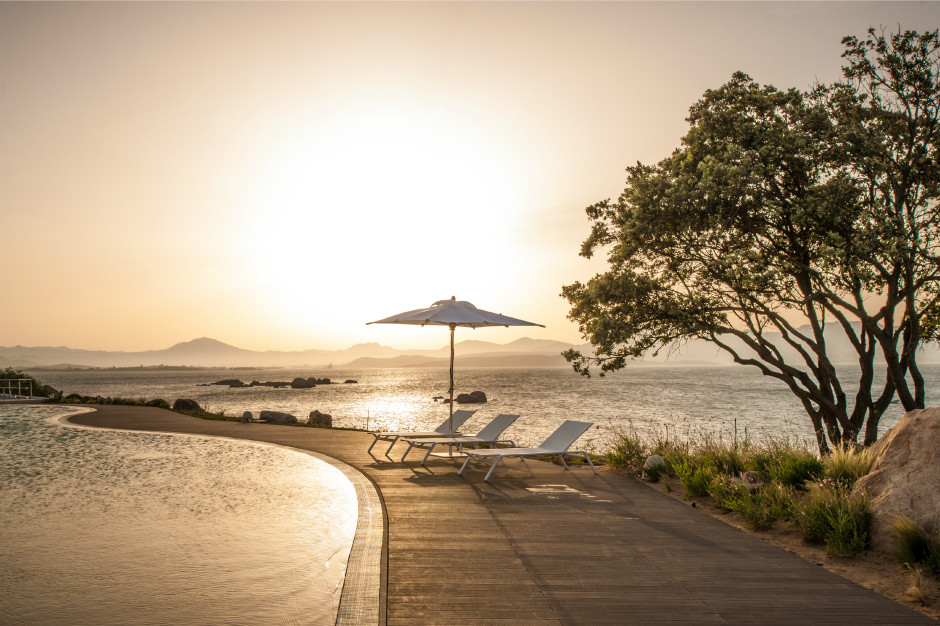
{"x": 377, "y": 199}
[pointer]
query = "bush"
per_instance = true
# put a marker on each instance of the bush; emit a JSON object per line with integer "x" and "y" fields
{"x": 629, "y": 451}
{"x": 847, "y": 465}
{"x": 832, "y": 514}
{"x": 793, "y": 468}
{"x": 695, "y": 479}
{"x": 915, "y": 546}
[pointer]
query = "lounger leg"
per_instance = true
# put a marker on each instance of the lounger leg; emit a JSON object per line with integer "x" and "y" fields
{"x": 374, "y": 441}
{"x": 394, "y": 441}
{"x": 425, "y": 459}
{"x": 487, "y": 477}
{"x": 561, "y": 457}
{"x": 587, "y": 458}
{"x": 411, "y": 444}
{"x": 464, "y": 466}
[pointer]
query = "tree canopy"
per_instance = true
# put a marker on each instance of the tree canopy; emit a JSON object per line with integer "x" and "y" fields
{"x": 785, "y": 217}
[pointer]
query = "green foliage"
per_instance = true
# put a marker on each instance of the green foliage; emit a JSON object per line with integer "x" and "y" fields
{"x": 915, "y": 546}
{"x": 794, "y": 467}
{"x": 629, "y": 451}
{"x": 695, "y": 478}
{"x": 834, "y": 515}
{"x": 781, "y": 206}
{"x": 846, "y": 465}
{"x": 759, "y": 509}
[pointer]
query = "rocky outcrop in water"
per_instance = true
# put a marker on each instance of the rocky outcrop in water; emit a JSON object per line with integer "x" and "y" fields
{"x": 188, "y": 406}
{"x": 323, "y": 420}
{"x": 905, "y": 477}
{"x": 474, "y": 397}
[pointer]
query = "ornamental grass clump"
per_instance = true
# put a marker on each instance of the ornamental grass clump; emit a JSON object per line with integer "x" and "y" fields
{"x": 832, "y": 514}
{"x": 915, "y": 546}
{"x": 847, "y": 465}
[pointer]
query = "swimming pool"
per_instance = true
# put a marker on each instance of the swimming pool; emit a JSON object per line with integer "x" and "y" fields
{"x": 113, "y": 527}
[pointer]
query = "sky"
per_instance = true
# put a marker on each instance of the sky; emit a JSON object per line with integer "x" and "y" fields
{"x": 275, "y": 175}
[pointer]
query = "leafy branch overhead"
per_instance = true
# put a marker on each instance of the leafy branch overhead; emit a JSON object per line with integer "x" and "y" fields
{"x": 782, "y": 218}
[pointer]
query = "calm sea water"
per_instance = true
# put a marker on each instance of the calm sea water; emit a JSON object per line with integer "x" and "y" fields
{"x": 106, "y": 528}
{"x": 652, "y": 399}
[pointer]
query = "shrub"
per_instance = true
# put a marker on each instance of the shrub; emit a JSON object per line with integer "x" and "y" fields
{"x": 779, "y": 499}
{"x": 847, "y": 465}
{"x": 629, "y": 451}
{"x": 915, "y": 546}
{"x": 832, "y": 514}
{"x": 695, "y": 479}
{"x": 793, "y": 468}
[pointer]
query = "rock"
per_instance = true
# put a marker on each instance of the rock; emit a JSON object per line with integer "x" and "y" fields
{"x": 246, "y": 417}
{"x": 276, "y": 417}
{"x": 475, "y": 397}
{"x": 322, "y": 381}
{"x": 656, "y": 464}
{"x": 350, "y": 381}
{"x": 231, "y": 382}
{"x": 108, "y": 400}
{"x": 187, "y": 406}
{"x": 904, "y": 477}
{"x": 320, "y": 419}
{"x": 303, "y": 383}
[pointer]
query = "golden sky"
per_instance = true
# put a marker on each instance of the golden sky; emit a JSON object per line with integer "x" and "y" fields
{"x": 275, "y": 175}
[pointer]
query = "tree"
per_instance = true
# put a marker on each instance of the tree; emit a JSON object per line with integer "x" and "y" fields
{"x": 784, "y": 218}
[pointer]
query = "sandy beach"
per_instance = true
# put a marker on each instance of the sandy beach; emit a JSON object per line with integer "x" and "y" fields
{"x": 541, "y": 545}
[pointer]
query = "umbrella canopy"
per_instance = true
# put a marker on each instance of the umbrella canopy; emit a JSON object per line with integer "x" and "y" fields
{"x": 453, "y": 313}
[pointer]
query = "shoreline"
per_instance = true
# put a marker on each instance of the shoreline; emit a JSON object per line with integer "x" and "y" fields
{"x": 458, "y": 550}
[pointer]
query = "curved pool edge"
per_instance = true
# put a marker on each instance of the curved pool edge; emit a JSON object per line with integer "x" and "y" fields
{"x": 362, "y": 600}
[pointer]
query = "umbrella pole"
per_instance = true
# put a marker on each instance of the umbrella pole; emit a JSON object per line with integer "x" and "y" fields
{"x": 451, "y": 418}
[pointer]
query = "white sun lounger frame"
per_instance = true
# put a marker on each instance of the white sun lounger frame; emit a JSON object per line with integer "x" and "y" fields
{"x": 460, "y": 416}
{"x": 489, "y": 434}
{"x": 556, "y": 445}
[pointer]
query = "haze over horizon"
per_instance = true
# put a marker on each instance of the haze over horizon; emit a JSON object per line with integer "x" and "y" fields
{"x": 275, "y": 175}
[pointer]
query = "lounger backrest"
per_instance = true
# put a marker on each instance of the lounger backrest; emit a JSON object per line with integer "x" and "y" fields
{"x": 459, "y": 417}
{"x": 494, "y": 429}
{"x": 565, "y": 435}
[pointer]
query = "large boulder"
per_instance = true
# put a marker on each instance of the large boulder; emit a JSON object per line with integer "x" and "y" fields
{"x": 303, "y": 383}
{"x": 247, "y": 417}
{"x": 276, "y": 417}
{"x": 187, "y": 406}
{"x": 905, "y": 477}
{"x": 320, "y": 419}
{"x": 474, "y": 397}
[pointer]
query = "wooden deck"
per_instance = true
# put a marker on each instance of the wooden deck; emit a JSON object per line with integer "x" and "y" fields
{"x": 541, "y": 545}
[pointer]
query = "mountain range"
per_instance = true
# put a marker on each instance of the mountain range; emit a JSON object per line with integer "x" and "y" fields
{"x": 206, "y": 352}
{"x": 525, "y": 352}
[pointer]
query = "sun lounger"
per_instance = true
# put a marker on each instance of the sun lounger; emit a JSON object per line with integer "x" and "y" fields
{"x": 444, "y": 430}
{"x": 556, "y": 444}
{"x": 488, "y": 434}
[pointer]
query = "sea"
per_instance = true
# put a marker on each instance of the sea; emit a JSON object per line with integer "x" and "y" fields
{"x": 107, "y": 528}
{"x": 725, "y": 401}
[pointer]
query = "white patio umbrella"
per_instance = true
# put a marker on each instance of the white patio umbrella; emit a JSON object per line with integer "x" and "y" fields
{"x": 453, "y": 313}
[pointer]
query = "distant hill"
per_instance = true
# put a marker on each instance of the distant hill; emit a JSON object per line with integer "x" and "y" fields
{"x": 525, "y": 352}
{"x": 206, "y": 352}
